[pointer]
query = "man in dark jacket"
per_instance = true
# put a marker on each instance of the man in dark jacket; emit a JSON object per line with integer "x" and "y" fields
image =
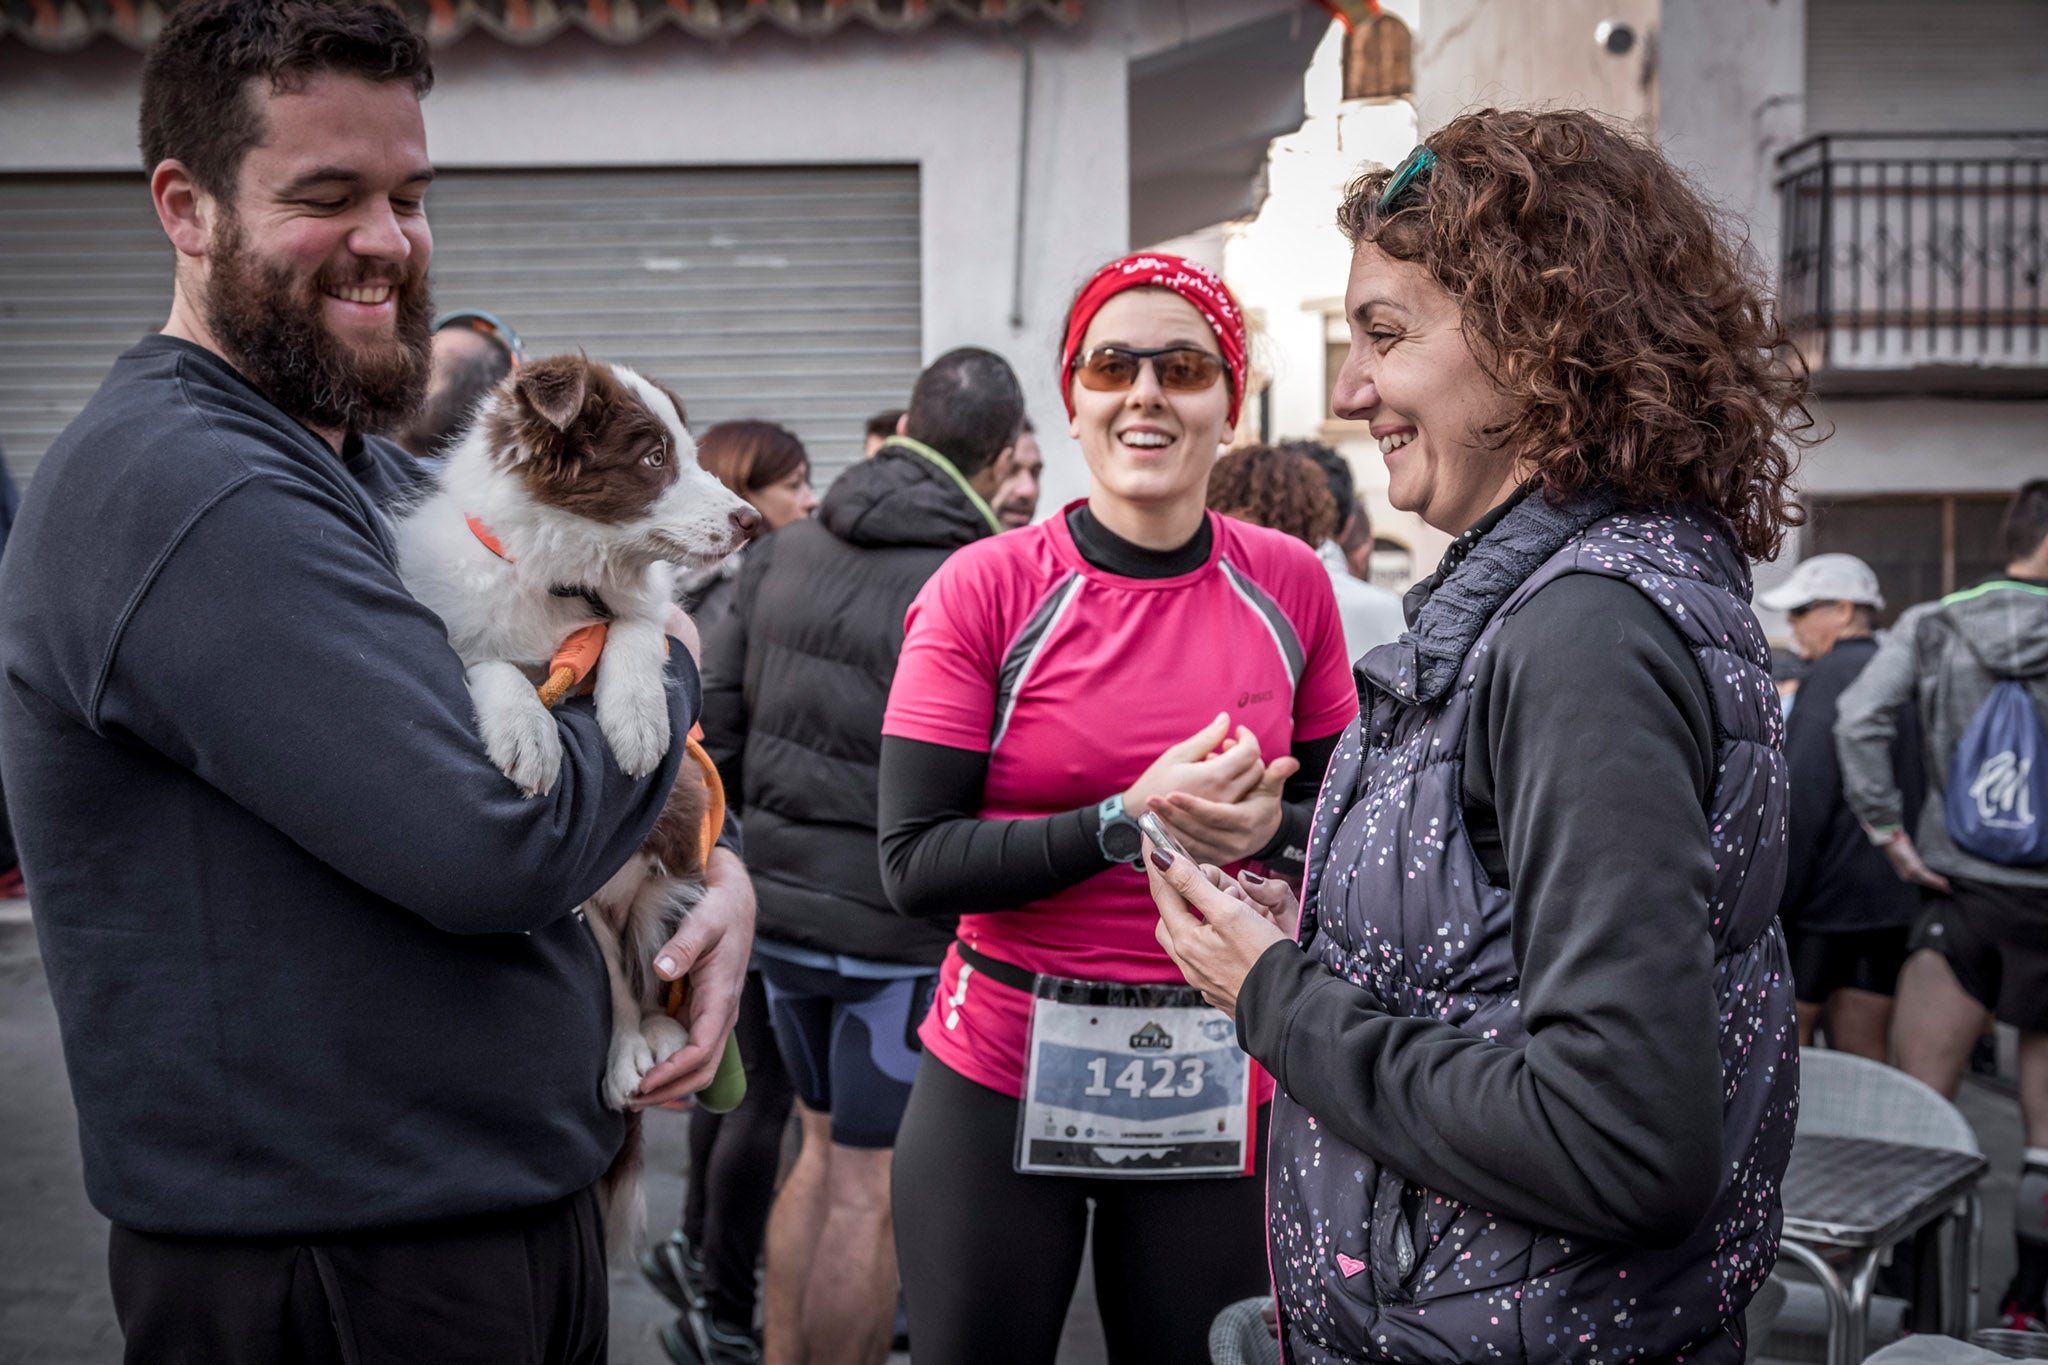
{"x": 1845, "y": 914}
{"x": 797, "y": 680}
{"x": 333, "y": 1025}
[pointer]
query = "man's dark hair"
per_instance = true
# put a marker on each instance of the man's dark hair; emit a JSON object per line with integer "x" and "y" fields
{"x": 883, "y": 424}
{"x": 968, "y": 406}
{"x": 446, "y": 413}
{"x": 1336, "y": 471}
{"x": 2026, "y": 521}
{"x": 196, "y": 99}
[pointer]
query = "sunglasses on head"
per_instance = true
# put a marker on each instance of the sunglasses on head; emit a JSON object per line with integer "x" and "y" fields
{"x": 1411, "y": 174}
{"x": 1180, "y": 369}
{"x": 490, "y": 325}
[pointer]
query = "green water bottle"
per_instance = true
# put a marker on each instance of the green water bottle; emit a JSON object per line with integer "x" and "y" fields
{"x": 729, "y": 1086}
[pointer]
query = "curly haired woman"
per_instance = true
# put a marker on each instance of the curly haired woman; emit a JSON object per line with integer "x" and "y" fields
{"x": 1275, "y": 487}
{"x": 1534, "y": 1027}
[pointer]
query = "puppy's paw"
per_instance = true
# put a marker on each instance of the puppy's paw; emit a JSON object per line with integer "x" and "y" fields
{"x": 665, "y": 1037}
{"x": 518, "y": 732}
{"x": 527, "y": 746}
{"x": 635, "y": 724}
{"x": 631, "y": 1058}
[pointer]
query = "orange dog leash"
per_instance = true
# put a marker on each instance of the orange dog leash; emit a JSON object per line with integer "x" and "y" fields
{"x": 573, "y": 662}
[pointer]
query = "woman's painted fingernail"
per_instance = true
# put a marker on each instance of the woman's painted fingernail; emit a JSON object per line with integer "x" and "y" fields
{"x": 1251, "y": 879}
{"x": 1161, "y": 859}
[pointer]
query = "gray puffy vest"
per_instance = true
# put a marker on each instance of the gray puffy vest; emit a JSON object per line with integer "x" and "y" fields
{"x": 1429, "y": 936}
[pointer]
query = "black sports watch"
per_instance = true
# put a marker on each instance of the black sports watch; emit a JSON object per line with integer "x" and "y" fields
{"x": 1117, "y": 833}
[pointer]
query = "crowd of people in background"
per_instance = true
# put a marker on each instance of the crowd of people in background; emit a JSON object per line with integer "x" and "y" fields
{"x": 1917, "y": 905}
{"x": 1438, "y": 907}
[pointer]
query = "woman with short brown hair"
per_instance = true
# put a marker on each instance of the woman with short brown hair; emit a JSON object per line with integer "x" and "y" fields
{"x": 1535, "y": 1038}
{"x": 1277, "y": 488}
{"x": 768, "y": 466}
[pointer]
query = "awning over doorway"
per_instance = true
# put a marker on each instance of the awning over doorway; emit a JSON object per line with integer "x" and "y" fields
{"x": 1203, "y": 112}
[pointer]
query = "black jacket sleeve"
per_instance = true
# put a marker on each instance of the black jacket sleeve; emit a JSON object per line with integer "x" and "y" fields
{"x": 939, "y": 857}
{"x": 725, "y": 675}
{"x": 1815, "y": 775}
{"x": 1591, "y": 740}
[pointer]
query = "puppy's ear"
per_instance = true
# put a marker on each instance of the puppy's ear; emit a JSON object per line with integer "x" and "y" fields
{"x": 675, "y": 398}
{"x": 552, "y": 389}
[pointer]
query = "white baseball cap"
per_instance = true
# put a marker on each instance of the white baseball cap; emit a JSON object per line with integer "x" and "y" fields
{"x": 1825, "y": 578}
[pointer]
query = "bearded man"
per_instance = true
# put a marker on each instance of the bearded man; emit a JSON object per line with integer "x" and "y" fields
{"x": 333, "y": 1026}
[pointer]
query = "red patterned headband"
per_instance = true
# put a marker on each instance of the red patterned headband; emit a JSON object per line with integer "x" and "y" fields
{"x": 1195, "y": 283}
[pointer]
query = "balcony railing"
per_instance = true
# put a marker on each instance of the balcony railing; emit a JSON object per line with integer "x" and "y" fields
{"x": 1917, "y": 254}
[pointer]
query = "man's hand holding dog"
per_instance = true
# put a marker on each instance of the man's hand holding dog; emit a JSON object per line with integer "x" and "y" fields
{"x": 711, "y": 949}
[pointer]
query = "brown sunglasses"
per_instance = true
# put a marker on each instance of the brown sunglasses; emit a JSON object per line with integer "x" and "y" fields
{"x": 1180, "y": 369}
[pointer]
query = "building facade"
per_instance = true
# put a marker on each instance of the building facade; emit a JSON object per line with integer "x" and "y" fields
{"x": 1891, "y": 161}
{"x": 1382, "y": 78}
{"x": 1288, "y": 265}
{"x": 782, "y": 208}
{"x": 1888, "y": 162}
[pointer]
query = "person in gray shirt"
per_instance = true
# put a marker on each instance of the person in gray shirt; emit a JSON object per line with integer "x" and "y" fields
{"x": 1981, "y": 947}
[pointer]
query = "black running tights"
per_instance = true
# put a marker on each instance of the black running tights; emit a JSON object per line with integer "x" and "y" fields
{"x": 990, "y": 1257}
{"x": 733, "y": 1163}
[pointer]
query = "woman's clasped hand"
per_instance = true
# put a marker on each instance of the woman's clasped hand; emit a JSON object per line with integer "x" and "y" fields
{"x": 1214, "y": 790}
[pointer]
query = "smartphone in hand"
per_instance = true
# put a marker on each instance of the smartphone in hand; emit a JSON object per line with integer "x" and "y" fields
{"x": 1153, "y": 828}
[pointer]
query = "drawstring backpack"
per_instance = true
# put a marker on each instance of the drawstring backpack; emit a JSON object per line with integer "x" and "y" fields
{"x": 1997, "y": 797}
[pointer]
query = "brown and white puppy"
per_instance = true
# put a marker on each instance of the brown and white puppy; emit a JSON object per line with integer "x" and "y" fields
{"x": 585, "y": 480}
{"x": 573, "y": 498}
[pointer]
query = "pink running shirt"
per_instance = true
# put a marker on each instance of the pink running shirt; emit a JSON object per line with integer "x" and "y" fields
{"x": 1073, "y": 681}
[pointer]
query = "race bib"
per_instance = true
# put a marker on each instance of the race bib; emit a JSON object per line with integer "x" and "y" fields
{"x": 1131, "y": 1081}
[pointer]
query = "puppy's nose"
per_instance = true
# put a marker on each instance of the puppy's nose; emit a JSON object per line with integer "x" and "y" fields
{"x": 746, "y": 521}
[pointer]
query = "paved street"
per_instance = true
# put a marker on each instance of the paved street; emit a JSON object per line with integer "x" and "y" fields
{"x": 54, "y": 1305}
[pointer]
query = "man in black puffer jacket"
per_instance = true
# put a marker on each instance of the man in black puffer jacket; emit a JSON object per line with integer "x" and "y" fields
{"x": 796, "y": 679}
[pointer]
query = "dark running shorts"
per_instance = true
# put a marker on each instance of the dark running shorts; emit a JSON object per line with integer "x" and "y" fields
{"x": 850, "y": 1044}
{"x": 1995, "y": 939}
{"x": 1824, "y": 961}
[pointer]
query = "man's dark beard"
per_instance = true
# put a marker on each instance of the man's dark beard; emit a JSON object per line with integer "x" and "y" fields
{"x": 271, "y": 327}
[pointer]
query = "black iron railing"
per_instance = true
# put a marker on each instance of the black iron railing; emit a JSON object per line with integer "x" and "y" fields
{"x": 1901, "y": 252}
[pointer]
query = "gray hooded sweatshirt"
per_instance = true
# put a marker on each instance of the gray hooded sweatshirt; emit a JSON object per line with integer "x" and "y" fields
{"x": 1943, "y": 657}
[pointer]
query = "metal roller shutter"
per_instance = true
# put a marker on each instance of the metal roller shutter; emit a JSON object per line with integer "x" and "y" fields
{"x": 84, "y": 272}
{"x": 787, "y": 293}
{"x": 1905, "y": 66}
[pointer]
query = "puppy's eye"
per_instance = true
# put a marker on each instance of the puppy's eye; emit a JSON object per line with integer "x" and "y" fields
{"x": 655, "y": 458}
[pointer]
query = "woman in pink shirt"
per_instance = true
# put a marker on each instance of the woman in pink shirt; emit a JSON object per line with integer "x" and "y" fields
{"x": 1133, "y": 653}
